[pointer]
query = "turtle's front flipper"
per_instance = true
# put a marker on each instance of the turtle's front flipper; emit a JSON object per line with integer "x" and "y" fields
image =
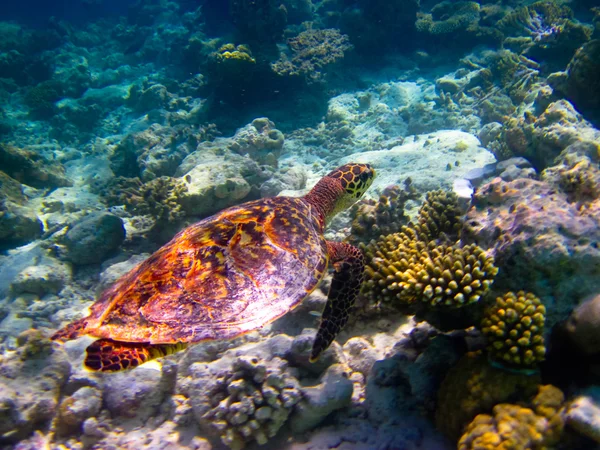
{"x": 106, "y": 355}
{"x": 349, "y": 265}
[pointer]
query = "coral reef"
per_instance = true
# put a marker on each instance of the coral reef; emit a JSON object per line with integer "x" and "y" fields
{"x": 537, "y": 425}
{"x": 474, "y": 387}
{"x": 514, "y": 329}
{"x": 439, "y": 217}
{"x": 159, "y": 198}
{"x": 544, "y": 30}
{"x": 260, "y": 140}
{"x": 31, "y": 168}
{"x": 582, "y": 326}
{"x": 312, "y": 51}
{"x": 375, "y": 218}
{"x": 582, "y": 86}
{"x": 539, "y": 240}
{"x": 252, "y": 401}
{"x": 406, "y": 271}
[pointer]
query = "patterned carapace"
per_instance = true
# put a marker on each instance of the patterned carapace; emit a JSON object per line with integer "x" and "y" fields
{"x": 226, "y": 275}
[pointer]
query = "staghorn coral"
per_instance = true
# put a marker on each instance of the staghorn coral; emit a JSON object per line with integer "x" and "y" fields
{"x": 440, "y": 216}
{"x": 473, "y": 387}
{"x": 536, "y": 425}
{"x": 312, "y": 50}
{"x": 252, "y": 401}
{"x": 544, "y": 30}
{"x": 375, "y": 218}
{"x": 405, "y": 270}
{"x": 514, "y": 328}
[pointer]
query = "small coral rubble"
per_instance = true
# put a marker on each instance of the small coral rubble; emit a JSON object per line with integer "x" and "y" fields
{"x": 252, "y": 401}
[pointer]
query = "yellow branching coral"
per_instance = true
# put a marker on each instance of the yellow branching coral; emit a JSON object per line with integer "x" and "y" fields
{"x": 514, "y": 328}
{"x": 473, "y": 387}
{"x": 440, "y": 214}
{"x": 403, "y": 268}
{"x": 518, "y": 427}
{"x": 230, "y": 52}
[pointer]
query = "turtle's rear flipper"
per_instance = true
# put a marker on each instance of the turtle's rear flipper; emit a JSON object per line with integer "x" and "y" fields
{"x": 106, "y": 355}
{"x": 349, "y": 265}
{"x": 71, "y": 331}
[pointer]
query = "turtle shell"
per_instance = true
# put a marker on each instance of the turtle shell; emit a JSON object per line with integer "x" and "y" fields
{"x": 221, "y": 277}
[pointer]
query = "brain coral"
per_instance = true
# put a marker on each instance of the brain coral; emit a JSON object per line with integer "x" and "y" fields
{"x": 473, "y": 387}
{"x": 538, "y": 425}
{"x": 514, "y": 327}
{"x": 404, "y": 270}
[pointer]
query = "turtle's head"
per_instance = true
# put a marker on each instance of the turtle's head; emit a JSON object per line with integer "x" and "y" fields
{"x": 341, "y": 188}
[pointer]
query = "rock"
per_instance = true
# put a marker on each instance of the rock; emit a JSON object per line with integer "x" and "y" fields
{"x": 387, "y": 391}
{"x": 534, "y": 233}
{"x": 32, "y": 168}
{"x": 77, "y": 408}
{"x": 583, "y": 326}
{"x": 216, "y": 181}
{"x": 138, "y": 394}
{"x": 426, "y": 164}
{"x": 333, "y": 392}
{"x": 42, "y": 279}
{"x": 582, "y": 85}
{"x": 260, "y": 140}
{"x": 94, "y": 238}
{"x": 361, "y": 355}
{"x": 18, "y": 225}
{"x": 30, "y": 386}
{"x": 583, "y": 414}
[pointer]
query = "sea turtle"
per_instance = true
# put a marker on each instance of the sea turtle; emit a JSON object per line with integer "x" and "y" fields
{"x": 229, "y": 274}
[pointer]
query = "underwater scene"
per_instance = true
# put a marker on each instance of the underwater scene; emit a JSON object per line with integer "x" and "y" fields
{"x": 300, "y": 224}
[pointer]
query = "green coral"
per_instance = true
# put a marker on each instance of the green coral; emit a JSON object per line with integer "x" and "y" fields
{"x": 514, "y": 328}
{"x": 405, "y": 270}
{"x": 536, "y": 425}
{"x": 312, "y": 50}
{"x": 474, "y": 387}
{"x": 374, "y": 218}
{"x": 440, "y": 216}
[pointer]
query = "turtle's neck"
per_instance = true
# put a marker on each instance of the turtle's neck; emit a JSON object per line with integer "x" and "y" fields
{"x": 323, "y": 198}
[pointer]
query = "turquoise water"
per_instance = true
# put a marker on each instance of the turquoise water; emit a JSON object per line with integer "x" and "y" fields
{"x": 299, "y": 224}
